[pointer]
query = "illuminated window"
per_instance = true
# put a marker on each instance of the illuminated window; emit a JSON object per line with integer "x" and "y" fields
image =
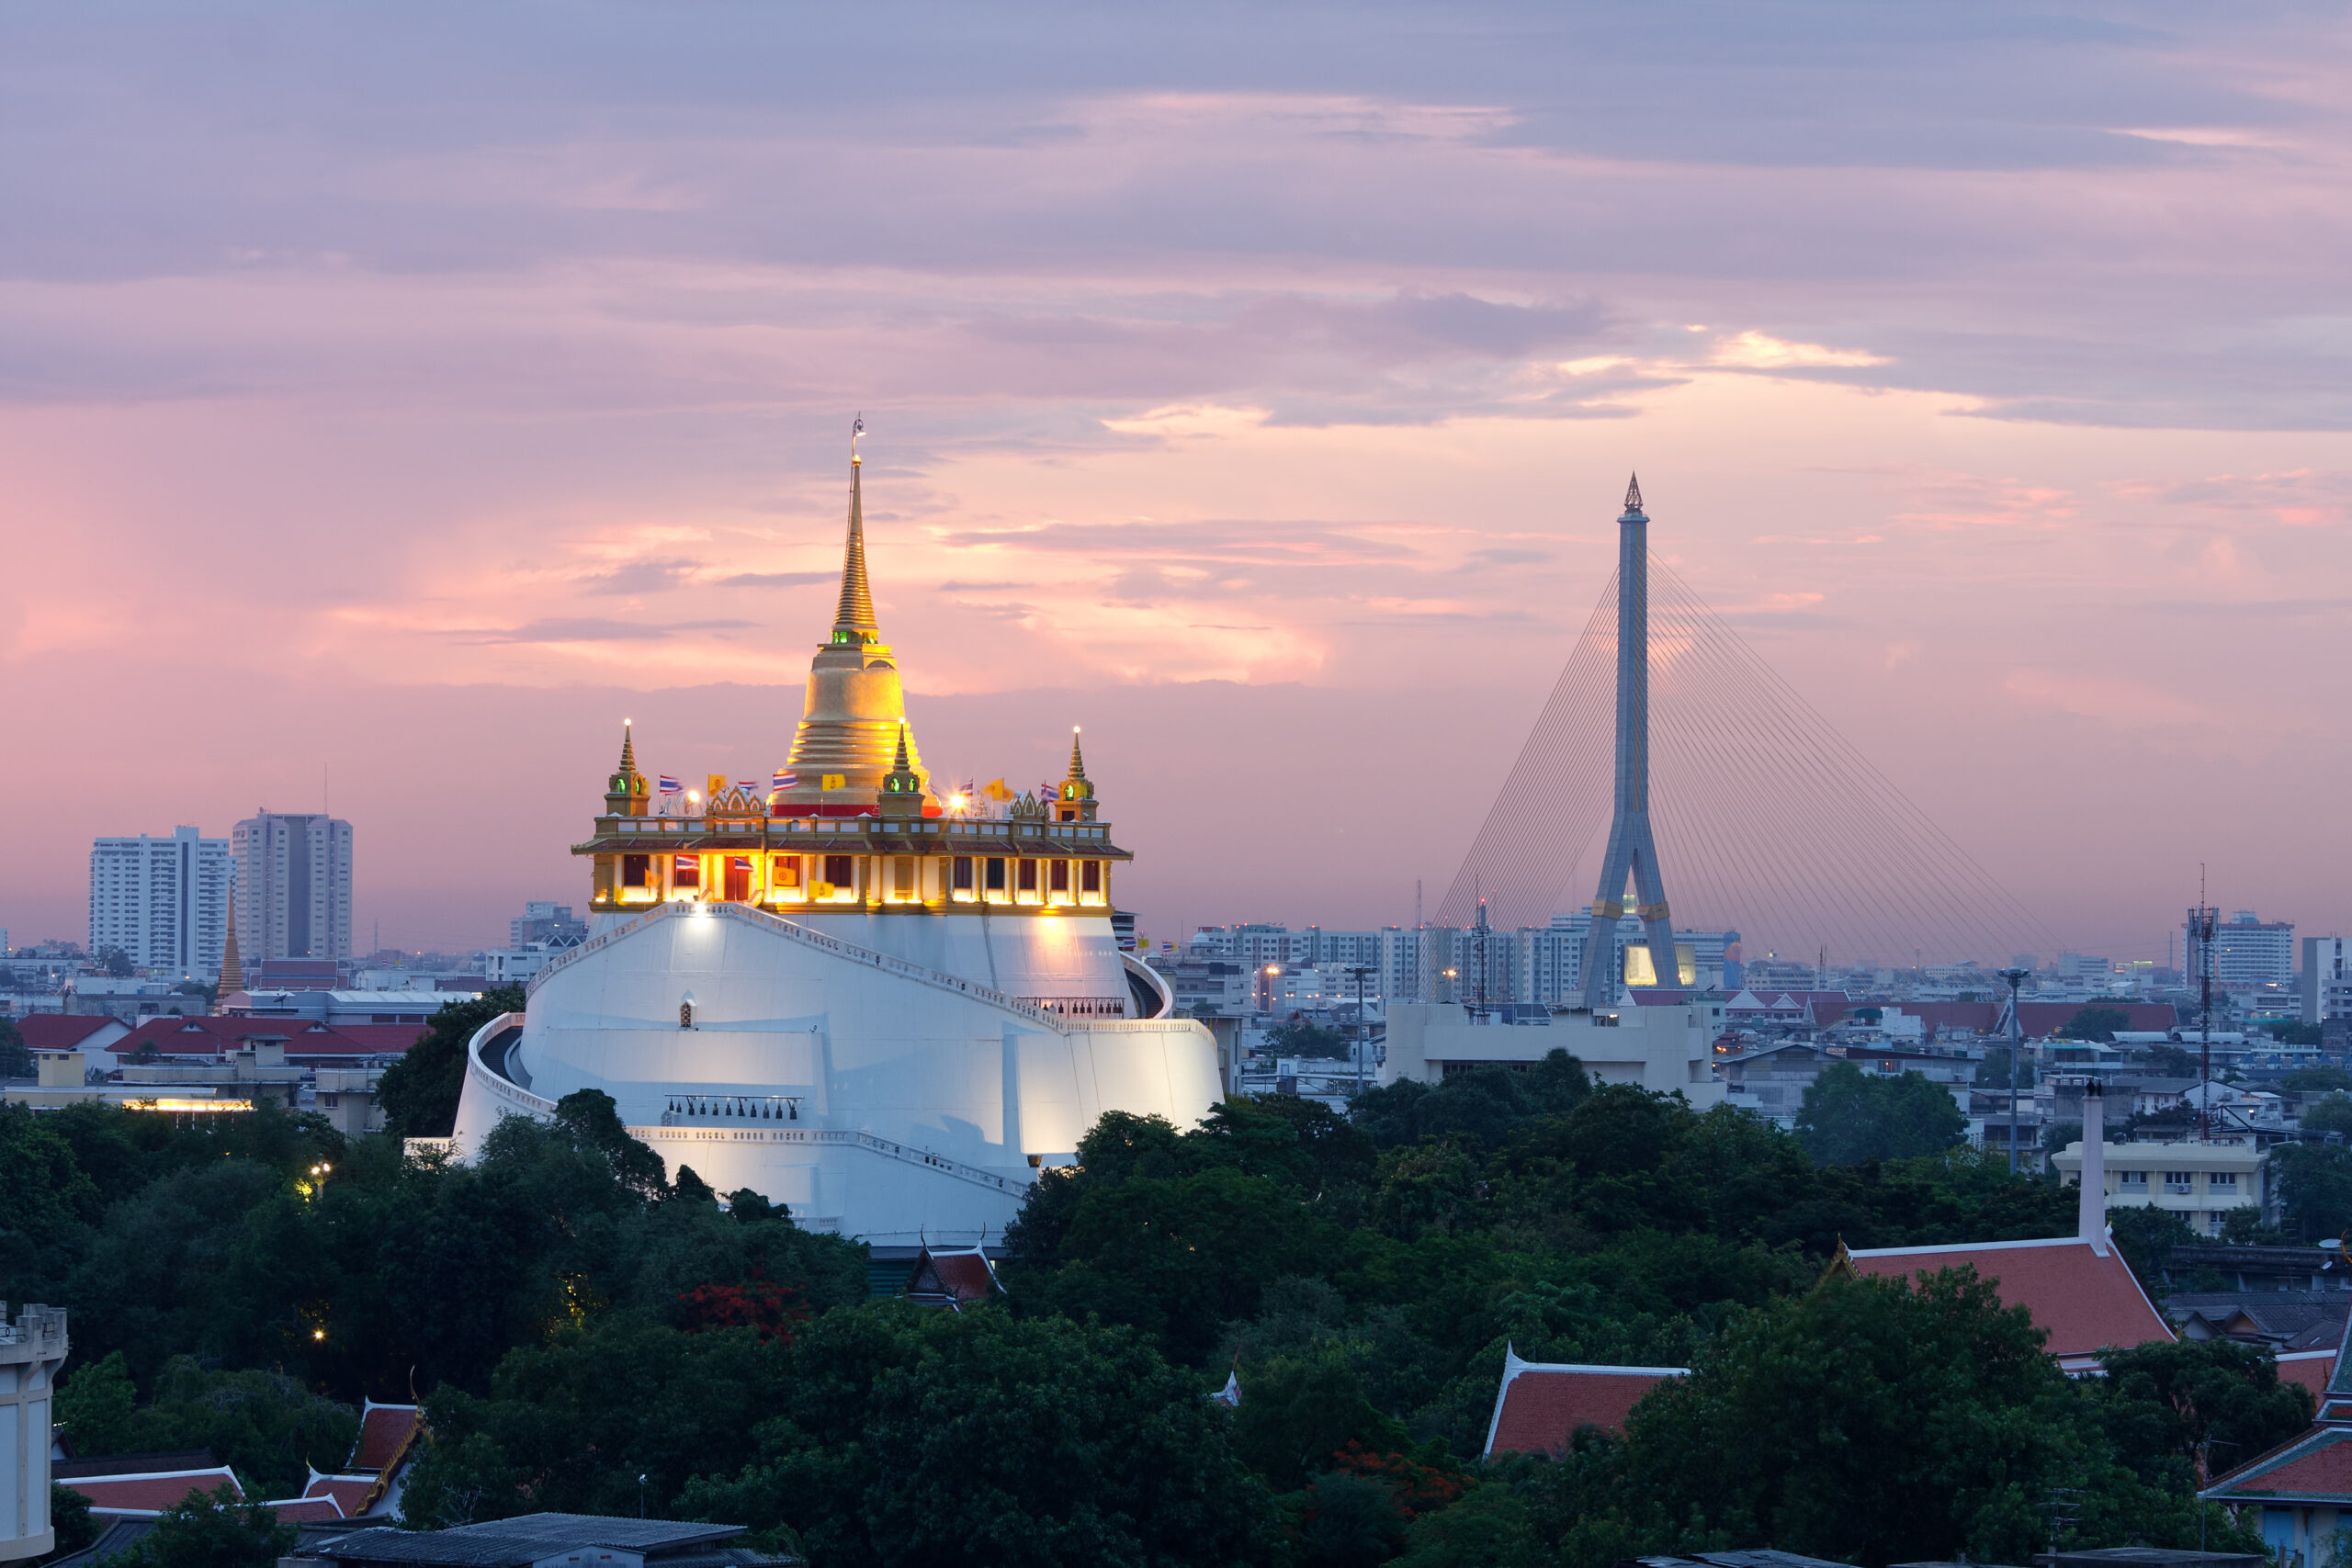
{"x": 996, "y": 873}
{"x": 786, "y": 873}
{"x": 685, "y": 871}
{"x": 963, "y": 873}
{"x": 1090, "y": 877}
{"x": 635, "y": 869}
{"x": 1057, "y": 880}
{"x": 839, "y": 871}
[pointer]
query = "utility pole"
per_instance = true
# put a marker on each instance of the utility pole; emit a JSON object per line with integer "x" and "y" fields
{"x": 2016, "y": 977}
{"x": 1363, "y": 1037}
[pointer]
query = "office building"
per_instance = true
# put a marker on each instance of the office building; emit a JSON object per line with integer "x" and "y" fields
{"x": 2247, "y": 951}
{"x": 293, "y": 888}
{"x": 164, "y": 901}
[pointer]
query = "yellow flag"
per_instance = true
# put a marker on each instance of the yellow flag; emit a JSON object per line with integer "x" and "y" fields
{"x": 834, "y": 781}
{"x": 995, "y": 790}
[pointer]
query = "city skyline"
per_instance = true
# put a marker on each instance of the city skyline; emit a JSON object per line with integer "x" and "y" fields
{"x": 1268, "y": 419}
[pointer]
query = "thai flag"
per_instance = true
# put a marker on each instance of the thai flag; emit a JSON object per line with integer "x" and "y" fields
{"x": 669, "y": 785}
{"x": 749, "y": 786}
{"x": 785, "y": 780}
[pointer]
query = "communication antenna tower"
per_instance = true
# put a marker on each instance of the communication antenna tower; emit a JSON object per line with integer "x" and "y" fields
{"x": 2201, "y": 924}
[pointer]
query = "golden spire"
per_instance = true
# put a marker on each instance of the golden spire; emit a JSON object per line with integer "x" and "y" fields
{"x": 1077, "y": 759}
{"x": 901, "y": 765}
{"x": 233, "y": 973}
{"x": 853, "y": 622}
{"x": 627, "y": 769}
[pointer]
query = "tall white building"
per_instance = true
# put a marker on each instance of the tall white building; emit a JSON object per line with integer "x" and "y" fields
{"x": 164, "y": 901}
{"x": 2248, "y": 951}
{"x": 293, "y": 887}
{"x": 2327, "y": 977}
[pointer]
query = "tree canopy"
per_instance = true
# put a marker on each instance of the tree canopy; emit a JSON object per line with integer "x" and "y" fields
{"x": 1849, "y": 1116}
{"x": 577, "y": 1317}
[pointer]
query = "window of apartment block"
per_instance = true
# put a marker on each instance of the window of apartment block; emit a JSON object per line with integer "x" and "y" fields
{"x": 2223, "y": 1182}
{"x": 2179, "y": 1181}
{"x": 2134, "y": 1180}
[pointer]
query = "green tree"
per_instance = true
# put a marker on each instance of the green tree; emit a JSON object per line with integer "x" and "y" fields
{"x": 2317, "y": 1080}
{"x": 2147, "y": 1236}
{"x": 2295, "y": 1032}
{"x": 1849, "y": 1116}
{"x": 265, "y": 1426}
{"x": 114, "y": 962}
{"x": 70, "y": 1521}
{"x": 2314, "y": 1188}
{"x": 94, "y": 1407}
{"x": 1905, "y": 1422}
{"x": 905, "y": 1437}
{"x": 1298, "y": 1412}
{"x": 2329, "y": 1113}
{"x": 1993, "y": 1072}
{"x": 1297, "y": 1037}
{"x": 2095, "y": 1022}
{"x": 2171, "y": 1061}
{"x": 1484, "y": 1103}
{"x": 15, "y": 1059}
{"x": 213, "y": 1532}
{"x": 419, "y": 1092}
{"x": 2163, "y": 1403}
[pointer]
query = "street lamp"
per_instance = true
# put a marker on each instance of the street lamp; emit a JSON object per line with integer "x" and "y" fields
{"x": 2017, "y": 1045}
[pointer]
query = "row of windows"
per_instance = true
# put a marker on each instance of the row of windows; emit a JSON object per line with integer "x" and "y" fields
{"x": 823, "y": 877}
{"x": 2181, "y": 1182}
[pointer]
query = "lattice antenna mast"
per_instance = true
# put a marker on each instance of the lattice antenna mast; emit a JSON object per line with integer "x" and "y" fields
{"x": 2202, "y": 925}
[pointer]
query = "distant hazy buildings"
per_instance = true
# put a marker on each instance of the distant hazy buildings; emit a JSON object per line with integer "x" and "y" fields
{"x": 164, "y": 901}
{"x": 2247, "y": 951}
{"x": 548, "y": 924}
{"x": 293, "y": 887}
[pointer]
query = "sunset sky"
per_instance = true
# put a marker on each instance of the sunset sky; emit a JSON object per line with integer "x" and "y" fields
{"x": 392, "y": 398}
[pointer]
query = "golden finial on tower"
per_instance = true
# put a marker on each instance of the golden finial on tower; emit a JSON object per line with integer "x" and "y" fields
{"x": 853, "y": 623}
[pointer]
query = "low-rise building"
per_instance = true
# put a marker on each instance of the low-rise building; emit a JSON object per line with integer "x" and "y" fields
{"x": 2201, "y": 1182}
{"x": 1659, "y": 1048}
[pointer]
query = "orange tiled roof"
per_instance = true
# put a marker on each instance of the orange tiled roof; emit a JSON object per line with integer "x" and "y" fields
{"x": 2082, "y": 1301}
{"x": 151, "y": 1492}
{"x": 1541, "y": 1405}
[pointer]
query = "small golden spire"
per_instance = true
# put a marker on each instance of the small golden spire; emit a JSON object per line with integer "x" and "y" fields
{"x": 901, "y": 765}
{"x": 629, "y": 757}
{"x": 1076, "y": 758}
{"x": 853, "y": 623}
{"x": 233, "y": 973}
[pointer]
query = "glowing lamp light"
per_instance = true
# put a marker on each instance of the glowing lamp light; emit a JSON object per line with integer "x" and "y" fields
{"x": 318, "y": 1334}
{"x": 694, "y": 797}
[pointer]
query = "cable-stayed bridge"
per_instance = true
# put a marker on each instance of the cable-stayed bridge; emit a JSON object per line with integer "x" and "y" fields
{"x": 1766, "y": 820}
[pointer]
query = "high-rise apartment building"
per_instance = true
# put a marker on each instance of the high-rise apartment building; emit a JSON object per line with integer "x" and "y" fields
{"x": 164, "y": 902}
{"x": 293, "y": 887}
{"x": 2327, "y": 978}
{"x": 2247, "y": 951}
